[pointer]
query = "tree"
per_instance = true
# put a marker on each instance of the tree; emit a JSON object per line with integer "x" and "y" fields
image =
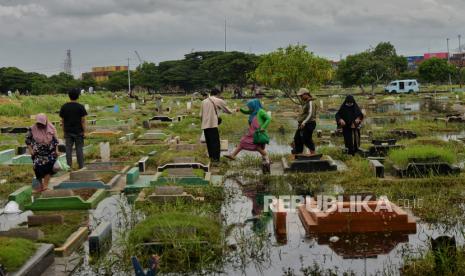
{"x": 117, "y": 81}
{"x": 291, "y": 68}
{"x": 147, "y": 76}
{"x": 435, "y": 70}
{"x": 230, "y": 68}
{"x": 12, "y": 78}
{"x": 63, "y": 82}
{"x": 371, "y": 67}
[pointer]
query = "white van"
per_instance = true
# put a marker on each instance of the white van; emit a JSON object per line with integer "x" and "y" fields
{"x": 402, "y": 86}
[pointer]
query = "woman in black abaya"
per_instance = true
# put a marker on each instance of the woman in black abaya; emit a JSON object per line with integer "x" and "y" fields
{"x": 349, "y": 117}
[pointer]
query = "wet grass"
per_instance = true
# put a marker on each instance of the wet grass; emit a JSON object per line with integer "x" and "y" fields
{"x": 436, "y": 263}
{"x": 15, "y": 252}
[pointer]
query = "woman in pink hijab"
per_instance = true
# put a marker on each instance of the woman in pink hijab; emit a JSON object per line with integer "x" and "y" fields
{"x": 42, "y": 143}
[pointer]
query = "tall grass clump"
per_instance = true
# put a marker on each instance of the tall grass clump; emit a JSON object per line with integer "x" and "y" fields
{"x": 402, "y": 157}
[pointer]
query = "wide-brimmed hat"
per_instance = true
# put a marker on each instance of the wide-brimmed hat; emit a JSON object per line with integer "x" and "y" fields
{"x": 303, "y": 91}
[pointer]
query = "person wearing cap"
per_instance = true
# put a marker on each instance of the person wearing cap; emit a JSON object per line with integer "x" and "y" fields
{"x": 306, "y": 123}
{"x": 42, "y": 142}
{"x": 209, "y": 111}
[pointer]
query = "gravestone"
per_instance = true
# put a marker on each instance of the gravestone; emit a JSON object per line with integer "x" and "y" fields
{"x": 22, "y": 232}
{"x": 38, "y": 220}
{"x": 377, "y": 168}
{"x": 105, "y": 151}
{"x": 100, "y": 239}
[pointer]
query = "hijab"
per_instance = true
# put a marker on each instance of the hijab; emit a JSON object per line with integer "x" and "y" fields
{"x": 254, "y": 106}
{"x": 349, "y": 113}
{"x": 45, "y": 134}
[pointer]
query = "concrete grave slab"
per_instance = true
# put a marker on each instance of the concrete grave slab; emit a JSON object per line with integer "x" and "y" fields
{"x": 6, "y": 155}
{"x": 67, "y": 202}
{"x": 309, "y": 165}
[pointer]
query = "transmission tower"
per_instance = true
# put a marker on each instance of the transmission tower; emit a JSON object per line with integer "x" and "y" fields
{"x": 68, "y": 63}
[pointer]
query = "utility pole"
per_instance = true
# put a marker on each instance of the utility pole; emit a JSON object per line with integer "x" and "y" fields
{"x": 129, "y": 80}
{"x": 448, "y": 62}
{"x": 460, "y": 45}
{"x": 225, "y": 34}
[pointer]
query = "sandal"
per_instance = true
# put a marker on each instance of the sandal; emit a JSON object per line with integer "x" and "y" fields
{"x": 230, "y": 157}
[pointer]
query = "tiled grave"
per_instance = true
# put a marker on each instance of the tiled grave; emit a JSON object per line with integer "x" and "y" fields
{"x": 354, "y": 217}
{"x": 79, "y": 199}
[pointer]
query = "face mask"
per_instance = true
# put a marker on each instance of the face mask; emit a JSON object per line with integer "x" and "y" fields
{"x": 41, "y": 126}
{"x": 349, "y": 104}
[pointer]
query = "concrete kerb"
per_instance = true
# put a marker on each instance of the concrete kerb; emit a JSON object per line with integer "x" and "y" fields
{"x": 37, "y": 263}
{"x": 73, "y": 242}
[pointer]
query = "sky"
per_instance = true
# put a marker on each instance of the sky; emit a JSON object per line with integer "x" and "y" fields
{"x": 34, "y": 35}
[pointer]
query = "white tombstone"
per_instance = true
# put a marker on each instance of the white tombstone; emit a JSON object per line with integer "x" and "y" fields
{"x": 189, "y": 106}
{"x": 105, "y": 151}
{"x": 9, "y": 93}
{"x": 133, "y": 106}
{"x": 321, "y": 104}
{"x": 91, "y": 90}
{"x": 86, "y": 106}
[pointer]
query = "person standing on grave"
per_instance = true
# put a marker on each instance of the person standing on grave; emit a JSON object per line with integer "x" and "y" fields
{"x": 349, "y": 118}
{"x": 258, "y": 121}
{"x": 42, "y": 142}
{"x": 306, "y": 123}
{"x": 73, "y": 119}
{"x": 209, "y": 113}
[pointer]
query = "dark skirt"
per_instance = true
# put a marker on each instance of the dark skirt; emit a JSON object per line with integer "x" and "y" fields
{"x": 46, "y": 169}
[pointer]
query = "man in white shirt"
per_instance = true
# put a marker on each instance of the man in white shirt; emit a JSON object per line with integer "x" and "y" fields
{"x": 209, "y": 112}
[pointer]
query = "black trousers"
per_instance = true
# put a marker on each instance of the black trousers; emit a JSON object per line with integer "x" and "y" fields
{"x": 78, "y": 142}
{"x": 212, "y": 138}
{"x": 304, "y": 137}
{"x": 351, "y": 139}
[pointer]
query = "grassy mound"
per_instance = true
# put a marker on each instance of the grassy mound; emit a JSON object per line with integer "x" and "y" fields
{"x": 401, "y": 157}
{"x": 14, "y": 252}
{"x": 189, "y": 242}
{"x": 207, "y": 229}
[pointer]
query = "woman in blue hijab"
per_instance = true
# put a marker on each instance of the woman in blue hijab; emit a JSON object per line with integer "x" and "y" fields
{"x": 258, "y": 120}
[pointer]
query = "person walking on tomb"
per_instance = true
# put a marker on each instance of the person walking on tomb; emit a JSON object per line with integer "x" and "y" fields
{"x": 42, "y": 142}
{"x": 73, "y": 119}
{"x": 349, "y": 118}
{"x": 258, "y": 122}
{"x": 209, "y": 113}
{"x": 306, "y": 123}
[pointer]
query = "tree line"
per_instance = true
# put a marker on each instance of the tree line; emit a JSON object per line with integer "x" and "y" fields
{"x": 286, "y": 69}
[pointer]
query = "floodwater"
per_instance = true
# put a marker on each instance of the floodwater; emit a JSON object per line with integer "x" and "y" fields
{"x": 362, "y": 254}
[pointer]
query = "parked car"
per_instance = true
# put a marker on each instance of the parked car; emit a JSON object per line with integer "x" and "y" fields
{"x": 402, "y": 86}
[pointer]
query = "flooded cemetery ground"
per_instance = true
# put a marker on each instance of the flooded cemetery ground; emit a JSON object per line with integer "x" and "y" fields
{"x": 154, "y": 196}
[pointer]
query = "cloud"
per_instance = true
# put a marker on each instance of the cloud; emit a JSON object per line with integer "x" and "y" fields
{"x": 108, "y": 31}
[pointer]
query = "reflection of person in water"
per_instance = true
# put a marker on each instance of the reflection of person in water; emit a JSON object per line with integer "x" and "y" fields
{"x": 349, "y": 118}
{"x": 259, "y": 219}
